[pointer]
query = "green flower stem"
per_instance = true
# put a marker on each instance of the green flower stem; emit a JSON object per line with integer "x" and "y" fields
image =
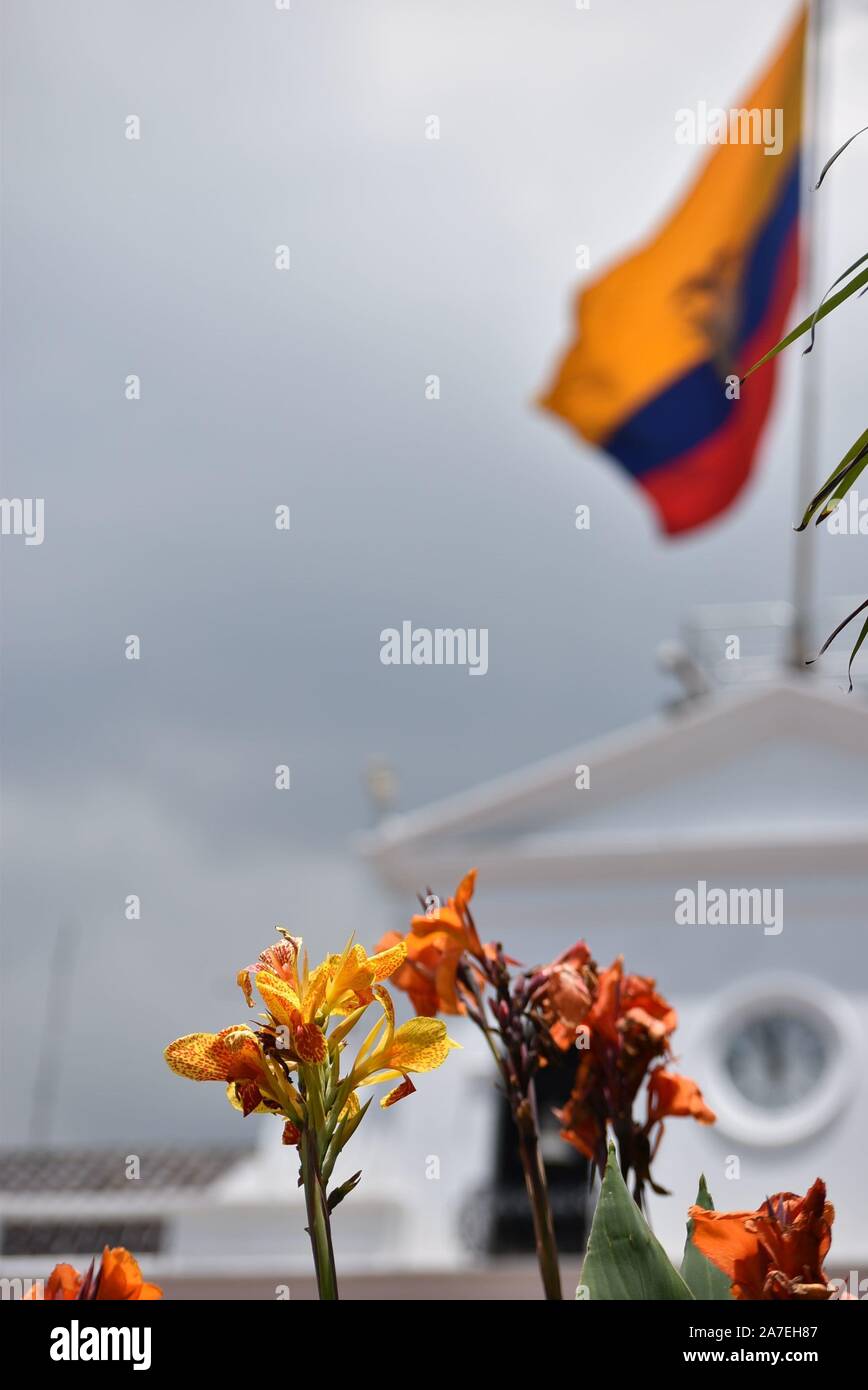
{"x": 318, "y": 1222}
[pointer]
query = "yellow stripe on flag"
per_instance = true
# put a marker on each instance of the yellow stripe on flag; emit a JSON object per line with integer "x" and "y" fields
{"x": 635, "y": 331}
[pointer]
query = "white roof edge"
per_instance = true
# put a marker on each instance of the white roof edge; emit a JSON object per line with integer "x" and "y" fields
{"x": 638, "y": 858}
{"x": 622, "y": 752}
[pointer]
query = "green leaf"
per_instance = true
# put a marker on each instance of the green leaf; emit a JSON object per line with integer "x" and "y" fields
{"x": 839, "y": 482}
{"x": 625, "y": 1261}
{"x": 829, "y": 162}
{"x": 705, "y": 1281}
{"x": 840, "y": 628}
{"x": 337, "y": 1195}
{"x": 344, "y": 1132}
{"x": 817, "y": 314}
{"x": 855, "y": 652}
{"x": 826, "y": 308}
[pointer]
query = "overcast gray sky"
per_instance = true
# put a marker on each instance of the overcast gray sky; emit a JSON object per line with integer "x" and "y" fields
{"x": 409, "y": 257}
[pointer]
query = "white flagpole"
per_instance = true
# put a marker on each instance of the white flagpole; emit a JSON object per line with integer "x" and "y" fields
{"x": 804, "y": 556}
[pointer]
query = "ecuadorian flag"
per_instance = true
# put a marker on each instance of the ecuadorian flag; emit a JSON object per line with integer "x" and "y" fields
{"x": 662, "y": 336}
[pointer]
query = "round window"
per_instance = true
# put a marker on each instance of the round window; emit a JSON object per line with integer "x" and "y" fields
{"x": 777, "y": 1058}
{"x": 782, "y": 1053}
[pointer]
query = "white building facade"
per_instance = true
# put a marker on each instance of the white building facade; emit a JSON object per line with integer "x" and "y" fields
{"x": 759, "y": 792}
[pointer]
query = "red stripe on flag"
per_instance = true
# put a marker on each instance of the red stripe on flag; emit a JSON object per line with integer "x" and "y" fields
{"x": 695, "y": 488}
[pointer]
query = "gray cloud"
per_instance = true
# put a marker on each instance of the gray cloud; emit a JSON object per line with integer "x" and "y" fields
{"x": 408, "y": 257}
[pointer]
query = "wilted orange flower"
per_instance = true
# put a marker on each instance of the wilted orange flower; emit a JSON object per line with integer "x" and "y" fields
{"x": 118, "y": 1279}
{"x": 626, "y": 1028}
{"x": 630, "y": 1005}
{"x": 563, "y": 993}
{"x": 584, "y": 1117}
{"x": 776, "y": 1252}
{"x": 624, "y": 1038}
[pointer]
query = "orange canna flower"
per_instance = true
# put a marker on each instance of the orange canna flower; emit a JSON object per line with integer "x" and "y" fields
{"x": 429, "y": 972}
{"x": 118, "y": 1279}
{"x": 434, "y": 946}
{"x": 454, "y": 919}
{"x": 121, "y": 1279}
{"x": 774, "y": 1253}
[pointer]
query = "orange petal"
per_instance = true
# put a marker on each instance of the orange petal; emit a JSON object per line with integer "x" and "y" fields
{"x": 603, "y": 1018}
{"x": 309, "y": 1041}
{"x": 406, "y": 1088}
{"x": 248, "y": 1097}
{"x": 445, "y": 981}
{"x": 387, "y": 941}
{"x": 638, "y": 992}
{"x": 464, "y": 891}
{"x": 243, "y": 979}
{"x": 149, "y": 1292}
{"x": 282, "y": 958}
{"x": 199, "y": 1056}
{"x": 670, "y": 1094}
{"x": 443, "y": 919}
{"x": 62, "y": 1285}
{"x": 121, "y": 1279}
{"x": 724, "y": 1237}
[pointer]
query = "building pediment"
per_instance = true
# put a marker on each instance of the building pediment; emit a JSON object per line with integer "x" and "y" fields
{"x": 764, "y": 775}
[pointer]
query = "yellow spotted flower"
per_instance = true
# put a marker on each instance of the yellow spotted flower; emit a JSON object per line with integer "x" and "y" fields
{"x": 301, "y": 1001}
{"x": 234, "y": 1056}
{"x": 422, "y": 1044}
{"x": 289, "y": 1064}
